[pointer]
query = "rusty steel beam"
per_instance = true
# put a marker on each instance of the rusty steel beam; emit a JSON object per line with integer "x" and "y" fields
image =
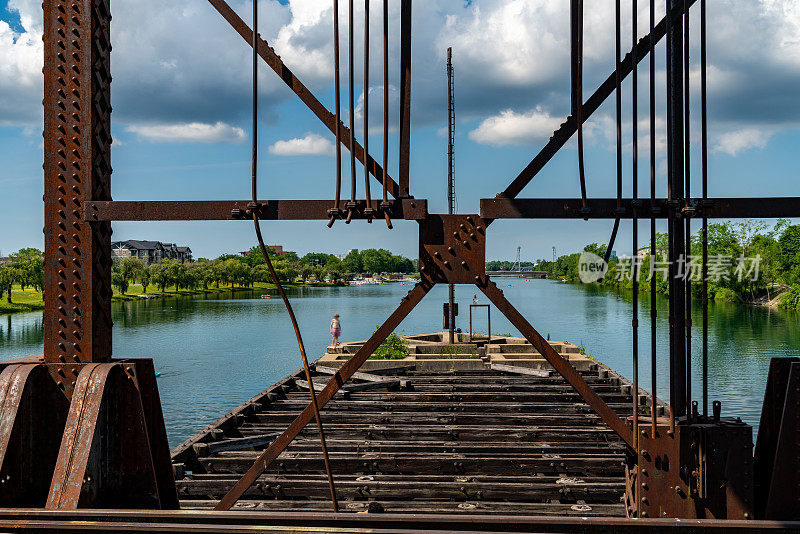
{"x": 336, "y": 382}
{"x": 33, "y": 412}
{"x": 561, "y": 365}
{"x": 14, "y": 520}
{"x": 236, "y": 210}
{"x": 606, "y": 208}
{"x": 110, "y": 456}
{"x": 304, "y": 94}
{"x": 77, "y": 168}
{"x": 568, "y": 128}
{"x": 405, "y": 96}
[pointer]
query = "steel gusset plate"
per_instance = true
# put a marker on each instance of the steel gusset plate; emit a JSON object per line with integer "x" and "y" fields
{"x": 112, "y": 453}
{"x": 703, "y": 470}
{"x": 33, "y": 412}
{"x": 777, "y": 454}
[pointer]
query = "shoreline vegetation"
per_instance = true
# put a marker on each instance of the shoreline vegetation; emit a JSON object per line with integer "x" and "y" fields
{"x": 31, "y": 300}
{"x": 775, "y": 250}
{"x": 22, "y": 274}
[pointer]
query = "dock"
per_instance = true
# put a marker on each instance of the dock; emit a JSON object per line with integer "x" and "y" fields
{"x": 482, "y": 427}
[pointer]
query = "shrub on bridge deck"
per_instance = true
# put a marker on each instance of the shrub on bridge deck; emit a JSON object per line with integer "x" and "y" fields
{"x": 394, "y": 347}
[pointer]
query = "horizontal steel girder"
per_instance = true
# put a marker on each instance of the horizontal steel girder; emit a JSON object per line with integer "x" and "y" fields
{"x": 606, "y": 208}
{"x": 235, "y": 210}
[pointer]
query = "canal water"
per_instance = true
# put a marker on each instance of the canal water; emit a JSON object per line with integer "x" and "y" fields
{"x": 214, "y": 353}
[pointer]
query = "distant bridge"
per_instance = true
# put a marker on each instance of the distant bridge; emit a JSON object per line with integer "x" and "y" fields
{"x": 521, "y": 274}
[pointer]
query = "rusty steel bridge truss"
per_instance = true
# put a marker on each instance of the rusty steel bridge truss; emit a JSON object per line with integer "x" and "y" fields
{"x": 80, "y": 429}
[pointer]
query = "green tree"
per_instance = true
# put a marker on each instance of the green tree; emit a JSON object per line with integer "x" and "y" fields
{"x": 28, "y": 264}
{"x": 159, "y": 276}
{"x": 145, "y": 277}
{"x": 127, "y": 271}
{"x": 352, "y": 262}
{"x": 8, "y": 275}
{"x": 789, "y": 243}
{"x": 316, "y": 258}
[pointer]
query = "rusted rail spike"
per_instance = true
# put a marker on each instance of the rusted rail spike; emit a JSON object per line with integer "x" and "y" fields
{"x": 328, "y": 119}
{"x": 568, "y": 128}
{"x": 563, "y": 367}
{"x": 345, "y": 372}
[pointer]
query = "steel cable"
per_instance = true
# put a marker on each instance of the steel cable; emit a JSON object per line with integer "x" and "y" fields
{"x": 618, "y": 80}
{"x": 653, "y": 252}
{"x": 577, "y": 90}
{"x": 336, "y": 211}
{"x": 351, "y": 206}
{"x": 368, "y": 211}
{"x": 704, "y": 171}
{"x": 635, "y": 239}
{"x": 254, "y": 207}
{"x": 385, "y": 205}
{"x": 687, "y": 195}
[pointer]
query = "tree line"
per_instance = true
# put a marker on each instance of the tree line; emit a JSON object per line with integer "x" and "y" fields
{"x": 26, "y": 269}
{"x": 245, "y": 270}
{"x": 771, "y": 253}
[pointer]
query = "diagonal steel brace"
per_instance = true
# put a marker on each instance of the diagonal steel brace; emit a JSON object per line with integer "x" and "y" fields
{"x": 561, "y": 365}
{"x": 347, "y": 370}
{"x": 568, "y": 128}
{"x": 284, "y": 73}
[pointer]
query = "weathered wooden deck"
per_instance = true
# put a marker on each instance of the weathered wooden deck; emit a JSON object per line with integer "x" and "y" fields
{"x": 441, "y": 440}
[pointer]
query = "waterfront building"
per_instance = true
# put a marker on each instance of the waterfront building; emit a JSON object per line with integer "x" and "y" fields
{"x": 150, "y": 251}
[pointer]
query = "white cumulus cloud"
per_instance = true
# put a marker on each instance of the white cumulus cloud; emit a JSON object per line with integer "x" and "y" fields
{"x": 738, "y": 141}
{"x": 191, "y": 132}
{"x": 178, "y": 63}
{"x": 512, "y": 128}
{"x": 310, "y": 145}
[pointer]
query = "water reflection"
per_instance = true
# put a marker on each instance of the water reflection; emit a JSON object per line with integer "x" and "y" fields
{"x": 215, "y": 352}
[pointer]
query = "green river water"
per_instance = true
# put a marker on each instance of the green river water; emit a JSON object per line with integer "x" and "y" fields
{"x": 215, "y": 353}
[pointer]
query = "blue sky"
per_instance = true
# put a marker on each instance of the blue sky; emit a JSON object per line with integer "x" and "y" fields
{"x": 181, "y": 116}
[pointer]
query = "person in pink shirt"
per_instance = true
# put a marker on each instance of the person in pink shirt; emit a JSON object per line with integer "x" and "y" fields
{"x": 336, "y": 330}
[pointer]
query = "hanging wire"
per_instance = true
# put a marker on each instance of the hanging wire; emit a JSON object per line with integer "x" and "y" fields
{"x": 704, "y": 161}
{"x": 336, "y": 211}
{"x": 368, "y": 211}
{"x": 351, "y": 206}
{"x": 618, "y": 93}
{"x": 670, "y": 245}
{"x": 577, "y": 89}
{"x": 653, "y": 310}
{"x": 635, "y": 237}
{"x": 385, "y": 205}
{"x": 254, "y": 208}
{"x": 687, "y": 194}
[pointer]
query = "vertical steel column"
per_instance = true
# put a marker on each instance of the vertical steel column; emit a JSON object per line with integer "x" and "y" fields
{"x": 451, "y": 291}
{"x": 704, "y": 160}
{"x": 77, "y": 168}
{"x": 653, "y": 254}
{"x": 687, "y": 135}
{"x": 405, "y": 97}
{"x": 675, "y": 177}
{"x": 635, "y": 239}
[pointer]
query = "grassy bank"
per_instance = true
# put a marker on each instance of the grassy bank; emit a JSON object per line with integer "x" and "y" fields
{"x": 31, "y": 300}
